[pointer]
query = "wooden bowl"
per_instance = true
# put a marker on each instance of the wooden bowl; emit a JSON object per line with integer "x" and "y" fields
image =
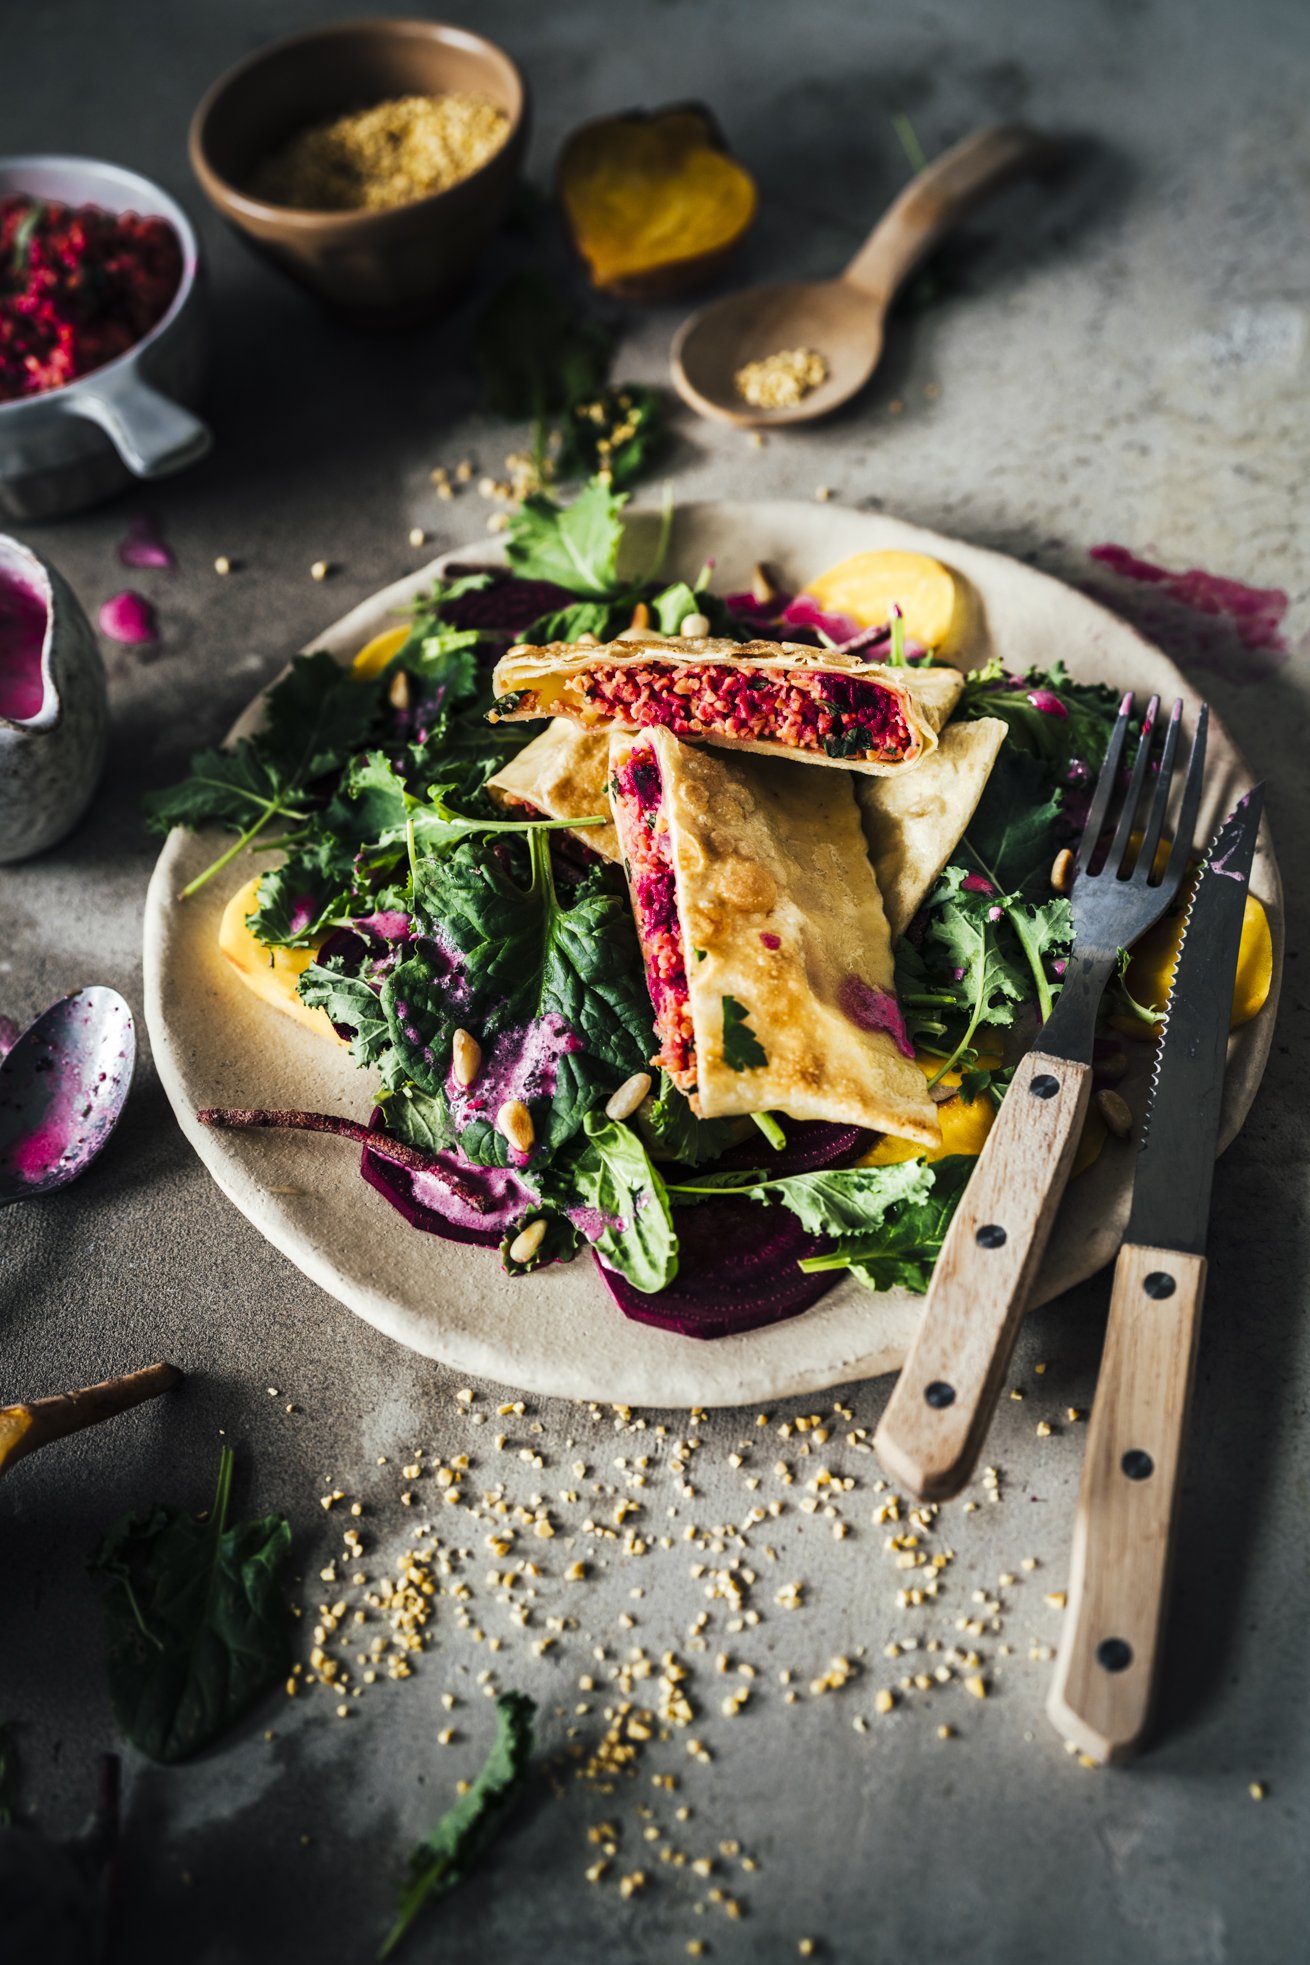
{"x": 384, "y": 267}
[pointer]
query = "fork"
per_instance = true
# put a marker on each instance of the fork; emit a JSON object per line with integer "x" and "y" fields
{"x": 939, "y": 1411}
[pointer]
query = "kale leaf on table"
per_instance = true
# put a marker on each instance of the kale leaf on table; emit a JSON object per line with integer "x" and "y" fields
{"x": 450, "y": 1850}
{"x": 197, "y": 1625}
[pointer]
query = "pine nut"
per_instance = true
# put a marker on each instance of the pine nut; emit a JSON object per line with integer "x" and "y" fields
{"x": 514, "y": 1123}
{"x": 527, "y": 1241}
{"x": 1112, "y": 1066}
{"x": 1116, "y": 1113}
{"x": 695, "y": 625}
{"x": 398, "y": 694}
{"x": 587, "y": 640}
{"x": 466, "y": 1057}
{"x": 631, "y": 1092}
{"x": 762, "y": 588}
{"x": 639, "y": 634}
{"x": 1062, "y": 871}
{"x": 640, "y": 616}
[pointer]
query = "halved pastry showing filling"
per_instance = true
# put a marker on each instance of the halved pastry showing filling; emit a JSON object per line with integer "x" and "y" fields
{"x": 767, "y": 951}
{"x": 814, "y": 706}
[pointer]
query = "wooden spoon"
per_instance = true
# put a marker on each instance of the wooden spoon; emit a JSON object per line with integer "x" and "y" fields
{"x": 842, "y": 319}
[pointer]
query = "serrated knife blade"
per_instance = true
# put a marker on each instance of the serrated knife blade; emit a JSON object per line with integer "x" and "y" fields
{"x": 1180, "y": 1128}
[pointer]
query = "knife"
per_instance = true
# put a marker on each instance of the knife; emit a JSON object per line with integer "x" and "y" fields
{"x": 1123, "y": 1532}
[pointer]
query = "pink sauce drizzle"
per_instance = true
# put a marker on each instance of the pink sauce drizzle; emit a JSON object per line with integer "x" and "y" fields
{"x": 873, "y": 1009}
{"x": 519, "y": 1064}
{"x": 22, "y": 639}
{"x": 1242, "y": 638}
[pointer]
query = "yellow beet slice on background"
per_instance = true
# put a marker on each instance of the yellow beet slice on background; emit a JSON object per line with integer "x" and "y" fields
{"x": 374, "y": 655}
{"x": 272, "y": 973}
{"x": 867, "y": 586}
{"x": 653, "y": 201}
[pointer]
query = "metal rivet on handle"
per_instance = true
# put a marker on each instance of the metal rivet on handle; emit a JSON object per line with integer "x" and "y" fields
{"x": 1044, "y": 1086}
{"x": 939, "y": 1394}
{"x": 1138, "y": 1465}
{"x": 990, "y": 1236}
{"x": 1114, "y": 1655}
{"x": 1159, "y": 1285}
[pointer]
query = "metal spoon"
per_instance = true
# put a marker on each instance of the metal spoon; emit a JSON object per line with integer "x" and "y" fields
{"x": 843, "y": 319}
{"x": 62, "y": 1089}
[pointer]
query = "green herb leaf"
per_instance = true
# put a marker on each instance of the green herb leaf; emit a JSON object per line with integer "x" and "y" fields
{"x": 903, "y": 1251}
{"x": 445, "y": 1856}
{"x": 576, "y": 546}
{"x": 20, "y": 246}
{"x": 677, "y": 1134}
{"x": 196, "y": 1622}
{"x": 742, "y": 1049}
{"x": 613, "y": 1177}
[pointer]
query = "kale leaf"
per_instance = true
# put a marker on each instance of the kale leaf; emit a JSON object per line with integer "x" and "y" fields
{"x": 836, "y": 1201}
{"x": 902, "y": 1252}
{"x": 196, "y": 1621}
{"x": 449, "y": 1851}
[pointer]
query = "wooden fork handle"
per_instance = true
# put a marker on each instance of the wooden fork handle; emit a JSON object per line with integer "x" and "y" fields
{"x": 942, "y": 1404}
{"x": 1105, "y": 1677}
{"x": 942, "y": 194}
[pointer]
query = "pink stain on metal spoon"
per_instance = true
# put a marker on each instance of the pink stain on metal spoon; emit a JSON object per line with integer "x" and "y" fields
{"x": 62, "y": 1089}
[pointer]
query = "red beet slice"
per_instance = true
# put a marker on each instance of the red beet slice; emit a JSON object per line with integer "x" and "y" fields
{"x": 811, "y": 1144}
{"x": 736, "y": 1272}
{"x": 427, "y": 1204}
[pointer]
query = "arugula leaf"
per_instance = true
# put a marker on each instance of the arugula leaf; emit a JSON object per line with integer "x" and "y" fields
{"x": 612, "y": 1176}
{"x": 670, "y": 1124}
{"x": 576, "y": 545}
{"x": 450, "y": 1850}
{"x": 568, "y": 977}
{"x": 903, "y": 1251}
{"x": 197, "y": 1626}
{"x": 742, "y": 1049}
{"x": 534, "y": 355}
{"x": 836, "y": 1201}
{"x": 8, "y": 1778}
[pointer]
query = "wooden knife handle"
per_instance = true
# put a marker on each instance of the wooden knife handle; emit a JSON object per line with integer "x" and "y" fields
{"x": 938, "y": 1414}
{"x": 1123, "y": 1534}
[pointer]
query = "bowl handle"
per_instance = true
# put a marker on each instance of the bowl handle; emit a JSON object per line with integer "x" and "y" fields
{"x": 152, "y": 434}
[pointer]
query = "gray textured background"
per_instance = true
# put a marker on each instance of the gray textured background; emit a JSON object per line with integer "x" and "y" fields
{"x": 1122, "y": 359}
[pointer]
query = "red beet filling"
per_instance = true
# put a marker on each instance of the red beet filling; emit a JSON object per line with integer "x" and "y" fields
{"x": 846, "y": 716}
{"x": 644, "y": 834}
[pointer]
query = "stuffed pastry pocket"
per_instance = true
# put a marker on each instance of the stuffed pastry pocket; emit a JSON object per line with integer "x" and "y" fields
{"x": 814, "y": 706}
{"x": 766, "y": 947}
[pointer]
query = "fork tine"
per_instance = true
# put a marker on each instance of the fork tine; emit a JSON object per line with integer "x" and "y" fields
{"x": 1123, "y": 831}
{"x": 1191, "y": 805}
{"x": 1160, "y": 797}
{"x": 1104, "y": 792}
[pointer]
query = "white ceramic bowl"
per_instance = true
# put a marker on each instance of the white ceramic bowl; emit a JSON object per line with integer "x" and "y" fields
{"x": 71, "y": 447}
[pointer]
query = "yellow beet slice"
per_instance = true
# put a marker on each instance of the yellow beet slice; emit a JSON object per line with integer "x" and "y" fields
{"x": 866, "y": 587}
{"x": 374, "y": 655}
{"x": 270, "y": 972}
{"x": 1151, "y": 970}
{"x": 964, "y": 1127}
{"x": 653, "y": 202}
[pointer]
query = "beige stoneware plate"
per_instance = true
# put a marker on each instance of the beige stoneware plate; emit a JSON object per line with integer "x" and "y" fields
{"x": 559, "y": 1332}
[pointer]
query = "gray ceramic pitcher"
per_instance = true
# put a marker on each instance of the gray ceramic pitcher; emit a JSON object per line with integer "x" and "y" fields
{"x": 54, "y": 711}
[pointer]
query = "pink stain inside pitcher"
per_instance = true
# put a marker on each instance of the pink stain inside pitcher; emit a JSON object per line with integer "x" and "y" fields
{"x": 23, "y": 620}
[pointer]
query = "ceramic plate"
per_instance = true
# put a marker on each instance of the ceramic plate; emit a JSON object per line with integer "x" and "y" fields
{"x": 558, "y": 1332}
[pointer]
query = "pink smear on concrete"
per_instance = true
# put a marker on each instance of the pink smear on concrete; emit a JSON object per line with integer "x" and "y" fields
{"x": 1206, "y": 620}
{"x": 129, "y": 618}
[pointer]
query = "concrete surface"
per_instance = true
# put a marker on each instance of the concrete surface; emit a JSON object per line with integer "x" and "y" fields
{"x": 1121, "y": 359}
